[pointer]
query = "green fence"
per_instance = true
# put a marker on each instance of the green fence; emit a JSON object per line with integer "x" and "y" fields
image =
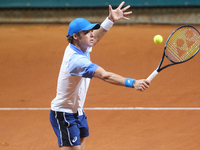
{"x": 95, "y": 3}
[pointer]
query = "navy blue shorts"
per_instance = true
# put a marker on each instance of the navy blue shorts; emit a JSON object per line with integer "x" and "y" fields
{"x": 69, "y": 128}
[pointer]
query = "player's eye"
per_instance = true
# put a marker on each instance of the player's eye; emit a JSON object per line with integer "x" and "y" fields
{"x": 88, "y": 31}
{"x": 85, "y": 32}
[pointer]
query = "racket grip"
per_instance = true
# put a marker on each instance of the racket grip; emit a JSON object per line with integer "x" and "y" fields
{"x": 152, "y": 75}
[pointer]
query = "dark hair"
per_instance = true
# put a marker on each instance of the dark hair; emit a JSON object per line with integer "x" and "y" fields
{"x": 70, "y": 39}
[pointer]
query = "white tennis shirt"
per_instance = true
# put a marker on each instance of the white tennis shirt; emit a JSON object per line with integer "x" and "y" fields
{"x": 73, "y": 80}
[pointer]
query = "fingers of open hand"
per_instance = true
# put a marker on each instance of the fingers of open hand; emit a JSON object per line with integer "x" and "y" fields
{"x": 126, "y": 13}
{"x": 119, "y": 12}
{"x": 125, "y": 8}
{"x": 120, "y": 6}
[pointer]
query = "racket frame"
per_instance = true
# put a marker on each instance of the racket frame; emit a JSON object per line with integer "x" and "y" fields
{"x": 164, "y": 54}
{"x": 155, "y": 72}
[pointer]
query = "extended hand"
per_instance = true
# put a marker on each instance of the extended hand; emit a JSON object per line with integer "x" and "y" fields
{"x": 118, "y": 13}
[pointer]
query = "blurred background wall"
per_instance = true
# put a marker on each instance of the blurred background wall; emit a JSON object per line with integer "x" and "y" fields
{"x": 63, "y": 11}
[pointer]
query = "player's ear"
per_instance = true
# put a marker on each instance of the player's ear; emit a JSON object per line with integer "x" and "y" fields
{"x": 75, "y": 36}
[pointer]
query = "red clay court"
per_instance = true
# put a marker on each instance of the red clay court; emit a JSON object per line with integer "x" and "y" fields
{"x": 30, "y": 60}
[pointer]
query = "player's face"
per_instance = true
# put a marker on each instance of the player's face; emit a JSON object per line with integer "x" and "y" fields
{"x": 86, "y": 39}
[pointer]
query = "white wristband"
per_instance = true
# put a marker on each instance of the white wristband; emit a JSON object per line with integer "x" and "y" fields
{"x": 107, "y": 24}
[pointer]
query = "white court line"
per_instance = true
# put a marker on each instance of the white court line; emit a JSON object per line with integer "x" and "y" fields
{"x": 115, "y": 108}
{"x": 24, "y": 108}
{"x": 143, "y": 108}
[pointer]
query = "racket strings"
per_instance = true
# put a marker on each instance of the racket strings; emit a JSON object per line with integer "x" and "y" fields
{"x": 183, "y": 44}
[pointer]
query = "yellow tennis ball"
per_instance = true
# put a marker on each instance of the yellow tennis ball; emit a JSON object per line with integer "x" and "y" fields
{"x": 158, "y": 39}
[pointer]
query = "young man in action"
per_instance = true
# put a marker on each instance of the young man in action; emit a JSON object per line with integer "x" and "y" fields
{"x": 67, "y": 116}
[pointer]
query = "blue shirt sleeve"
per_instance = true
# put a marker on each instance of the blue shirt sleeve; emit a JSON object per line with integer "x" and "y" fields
{"x": 89, "y": 71}
{"x": 81, "y": 66}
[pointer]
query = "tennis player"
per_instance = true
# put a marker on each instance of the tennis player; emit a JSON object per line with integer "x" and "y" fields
{"x": 67, "y": 116}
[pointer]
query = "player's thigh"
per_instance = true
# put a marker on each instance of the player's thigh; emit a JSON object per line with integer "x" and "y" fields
{"x": 82, "y": 143}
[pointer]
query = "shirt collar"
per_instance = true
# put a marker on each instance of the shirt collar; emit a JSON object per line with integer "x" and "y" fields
{"x": 72, "y": 46}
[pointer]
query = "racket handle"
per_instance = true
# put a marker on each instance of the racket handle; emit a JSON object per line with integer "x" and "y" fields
{"x": 152, "y": 75}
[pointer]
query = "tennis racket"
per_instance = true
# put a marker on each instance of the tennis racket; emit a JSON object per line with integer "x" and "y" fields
{"x": 182, "y": 45}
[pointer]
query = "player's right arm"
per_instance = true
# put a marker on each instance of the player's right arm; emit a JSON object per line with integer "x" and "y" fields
{"x": 116, "y": 79}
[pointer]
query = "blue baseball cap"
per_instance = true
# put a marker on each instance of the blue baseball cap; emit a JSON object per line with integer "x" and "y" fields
{"x": 81, "y": 24}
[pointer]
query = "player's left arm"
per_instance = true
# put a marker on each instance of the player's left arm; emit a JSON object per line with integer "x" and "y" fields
{"x": 114, "y": 15}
